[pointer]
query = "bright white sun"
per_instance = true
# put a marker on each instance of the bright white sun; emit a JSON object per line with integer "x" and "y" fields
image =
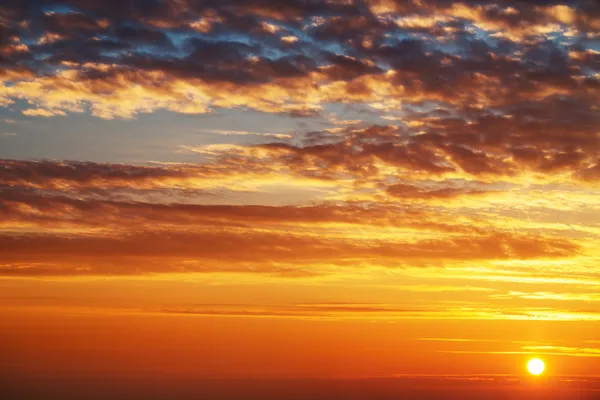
{"x": 535, "y": 366}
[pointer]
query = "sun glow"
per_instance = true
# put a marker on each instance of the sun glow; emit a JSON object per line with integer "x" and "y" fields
{"x": 535, "y": 366}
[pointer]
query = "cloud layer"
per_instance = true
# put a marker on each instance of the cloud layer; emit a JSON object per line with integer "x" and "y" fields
{"x": 191, "y": 57}
{"x": 458, "y": 135}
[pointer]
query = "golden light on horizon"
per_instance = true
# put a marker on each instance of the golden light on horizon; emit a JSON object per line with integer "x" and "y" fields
{"x": 535, "y": 366}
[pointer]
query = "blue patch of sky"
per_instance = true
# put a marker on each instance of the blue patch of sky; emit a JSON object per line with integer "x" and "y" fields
{"x": 300, "y": 33}
{"x": 562, "y": 40}
{"x": 326, "y": 45}
{"x": 447, "y": 48}
{"x": 272, "y": 52}
{"x": 472, "y": 33}
{"x": 352, "y": 112}
{"x": 396, "y": 36}
{"x": 315, "y": 49}
{"x": 58, "y": 8}
{"x": 591, "y": 44}
{"x": 156, "y": 51}
{"x": 81, "y": 136}
{"x": 430, "y": 42}
{"x": 13, "y": 110}
{"x": 428, "y": 106}
{"x": 333, "y": 47}
{"x": 179, "y": 40}
{"x": 110, "y": 53}
{"x": 482, "y": 34}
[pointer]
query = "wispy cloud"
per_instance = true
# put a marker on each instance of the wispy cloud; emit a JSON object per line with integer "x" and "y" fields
{"x": 455, "y": 340}
{"x": 245, "y": 133}
{"x": 539, "y": 350}
{"x": 40, "y": 112}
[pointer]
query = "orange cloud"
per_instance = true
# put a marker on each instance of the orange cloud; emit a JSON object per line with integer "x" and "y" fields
{"x": 69, "y": 236}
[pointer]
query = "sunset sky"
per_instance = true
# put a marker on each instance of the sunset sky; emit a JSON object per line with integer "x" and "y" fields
{"x": 194, "y": 189}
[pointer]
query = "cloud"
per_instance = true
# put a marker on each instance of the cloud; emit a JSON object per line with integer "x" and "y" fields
{"x": 117, "y": 62}
{"x": 78, "y": 230}
{"x": 246, "y": 133}
{"x": 333, "y": 310}
{"x": 455, "y": 340}
{"x": 39, "y": 112}
{"x": 469, "y": 144}
{"x": 50, "y": 174}
{"x": 72, "y": 23}
{"x": 415, "y": 192}
{"x": 587, "y": 297}
{"x": 565, "y": 350}
{"x": 551, "y": 350}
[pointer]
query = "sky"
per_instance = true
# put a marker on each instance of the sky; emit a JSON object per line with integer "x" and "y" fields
{"x": 309, "y": 189}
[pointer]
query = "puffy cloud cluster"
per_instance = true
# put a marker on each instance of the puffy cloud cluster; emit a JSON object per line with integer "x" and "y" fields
{"x": 118, "y": 60}
{"x": 478, "y": 88}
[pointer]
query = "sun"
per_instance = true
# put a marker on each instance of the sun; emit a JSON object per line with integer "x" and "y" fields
{"x": 535, "y": 366}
